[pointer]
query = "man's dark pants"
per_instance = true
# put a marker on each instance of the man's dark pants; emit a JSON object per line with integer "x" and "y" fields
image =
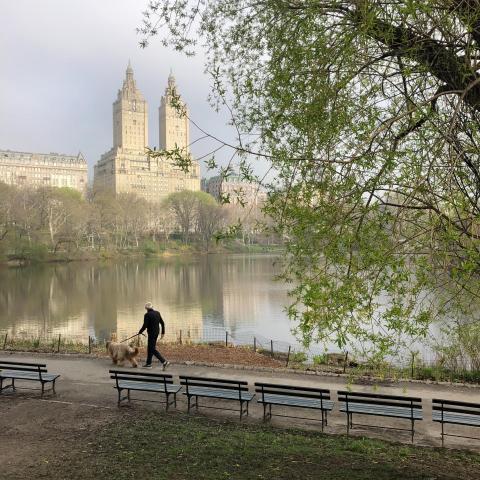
{"x": 152, "y": 348}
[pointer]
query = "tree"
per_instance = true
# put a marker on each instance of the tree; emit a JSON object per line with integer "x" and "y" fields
{"x": 184, "y": 206}
{"x": 368, "y": 112}
{"x": 210, "y": 217}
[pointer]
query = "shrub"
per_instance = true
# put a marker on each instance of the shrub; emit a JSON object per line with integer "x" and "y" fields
{"x": 299, "y": 357}
{"x": 149, "y": 248}
{"x": 320, "y": 359}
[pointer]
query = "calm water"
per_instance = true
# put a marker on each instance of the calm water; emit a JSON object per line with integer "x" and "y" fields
{"x": 200, "y": 296}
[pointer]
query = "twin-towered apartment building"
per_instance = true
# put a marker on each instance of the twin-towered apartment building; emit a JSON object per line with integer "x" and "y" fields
{"x": 126, "y": 167}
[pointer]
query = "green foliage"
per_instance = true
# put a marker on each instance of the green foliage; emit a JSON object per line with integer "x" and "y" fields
{"x": 149, "y": 248}
{"x": 299, "y": 357}
{"x": 33, "y": 252}
{"x": 368, "y": 114}
{"x": 320, "y": 359}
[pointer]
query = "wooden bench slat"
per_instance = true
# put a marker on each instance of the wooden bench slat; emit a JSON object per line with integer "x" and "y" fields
{"x": 448, "y": 403}
{"x": 47, "y": 377}
{"x": 140, "y": 374}
{"x": 381, "y": 410}
{"x": 460, "y": 419}
{"x": 149, "y": 387}
{"x": 22, "y": 364}
{"x": 379, "y": 402}
{"x": 293, "y": 393}
{"x": 273, "y": 386}
{"x": 22, "y": 369}
{"x": 456, "y": 410}
{"x": 142, "y": 379}
{"x": 380, "y": 396}
{"x": 288, "y": 400}
{"x": 219, "y": 393}
{"x": 209, "y": 379}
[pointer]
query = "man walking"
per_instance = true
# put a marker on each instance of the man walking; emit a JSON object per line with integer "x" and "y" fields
{"x": 151, "y": 322}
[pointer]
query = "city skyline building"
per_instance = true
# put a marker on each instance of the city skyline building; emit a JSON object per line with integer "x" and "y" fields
{"x": 34, "y": 170}
{"x": 235, "y": 188}
{"x": 127, "y": 168}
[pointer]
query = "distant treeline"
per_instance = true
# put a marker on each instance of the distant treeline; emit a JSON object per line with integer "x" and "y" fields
{"x": 38, "y": 223}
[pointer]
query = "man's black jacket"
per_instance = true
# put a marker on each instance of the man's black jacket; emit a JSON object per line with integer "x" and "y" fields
{"x": 151, "y": 322}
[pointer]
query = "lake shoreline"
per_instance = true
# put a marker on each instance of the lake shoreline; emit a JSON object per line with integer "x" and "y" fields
{"x": 187, "y": 251}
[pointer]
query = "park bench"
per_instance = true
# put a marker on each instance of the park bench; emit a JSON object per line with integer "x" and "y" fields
{"x": 293, "y": 396}
{"x": 145, "y": 382}
{"x": 25, "y": 371}
{"x": 409, "y": 408}
{"x": 457, "y": 413}
{"x": 222, "y": 389}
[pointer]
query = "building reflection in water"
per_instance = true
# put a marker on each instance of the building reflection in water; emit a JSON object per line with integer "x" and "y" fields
{"x": 193, "y": 294}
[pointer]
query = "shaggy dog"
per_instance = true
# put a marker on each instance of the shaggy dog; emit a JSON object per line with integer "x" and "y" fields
{"x": 119, "y": 352}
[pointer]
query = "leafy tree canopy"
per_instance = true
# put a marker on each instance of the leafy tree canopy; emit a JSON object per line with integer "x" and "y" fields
{"x": 368, "y": 111}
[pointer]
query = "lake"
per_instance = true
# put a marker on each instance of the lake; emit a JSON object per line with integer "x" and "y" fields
{"x": 200, "y": 296}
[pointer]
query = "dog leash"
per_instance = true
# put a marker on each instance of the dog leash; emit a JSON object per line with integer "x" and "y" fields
{"x": 129, "y": 338}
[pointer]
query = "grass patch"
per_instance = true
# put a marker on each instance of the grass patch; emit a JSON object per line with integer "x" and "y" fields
{"x": 178, "y": 446}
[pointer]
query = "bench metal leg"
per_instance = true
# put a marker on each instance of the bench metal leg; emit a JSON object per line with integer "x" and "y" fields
{"x": 43, "y": 388}
{"x": 349, "y": 422}
{"x": 241, "y": 409}
{"x": 413, "y": 429}
{"x": 166, "y": 408}
{"x": 128, "y": 395}
{"x": 53, "y": 388}
{"x": 323, "y": 419}
{"x": 7, "y": 386}
{"x": 119, "y": 396}
{"x": 196, "y": 403}
{"x": 175, "y": 400}
{"x": 443, "y": 435}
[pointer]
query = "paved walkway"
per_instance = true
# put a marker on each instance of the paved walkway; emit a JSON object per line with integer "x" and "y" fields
{"x": 85, "y": 382}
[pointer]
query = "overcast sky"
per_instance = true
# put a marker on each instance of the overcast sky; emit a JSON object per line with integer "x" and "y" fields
{"x": 62, "y": 63}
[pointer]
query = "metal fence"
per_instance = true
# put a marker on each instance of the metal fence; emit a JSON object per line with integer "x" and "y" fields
{"x": 409, "y": 365}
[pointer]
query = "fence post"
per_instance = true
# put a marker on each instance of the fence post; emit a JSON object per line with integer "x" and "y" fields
{"x": 345, "y": 362}
{"x": 254, "y": 344}
{"x": 5, "y": 341}
{"x": 89, "y": 344}
{"x": 413, "y": 364}
{"x": 180, "y": 337}
{"x": 288, "y": 355}
{"x": 226, "y": 338}
{"x": 58, "y": 344}
{"x": 271, "y": 347}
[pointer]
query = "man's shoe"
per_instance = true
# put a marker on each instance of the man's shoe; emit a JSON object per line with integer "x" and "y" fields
{"x": 147, "y": 365}
{"x": 166, "y": 363}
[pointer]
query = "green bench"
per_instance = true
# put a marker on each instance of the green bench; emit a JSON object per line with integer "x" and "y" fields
{"x": 455, "y": 413}
{"x": 394, "y": 406}
{"x": 36, "y": 372}
{"x": 233, "y": 390}
{"x": 293, "y": 396}
{"x": 145, "y": 382}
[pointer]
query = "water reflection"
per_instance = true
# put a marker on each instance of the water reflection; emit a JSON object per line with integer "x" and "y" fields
{"x": 236, "y": 292}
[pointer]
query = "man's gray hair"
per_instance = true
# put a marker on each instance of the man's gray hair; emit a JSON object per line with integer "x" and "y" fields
{"x": 148, "y": 305}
